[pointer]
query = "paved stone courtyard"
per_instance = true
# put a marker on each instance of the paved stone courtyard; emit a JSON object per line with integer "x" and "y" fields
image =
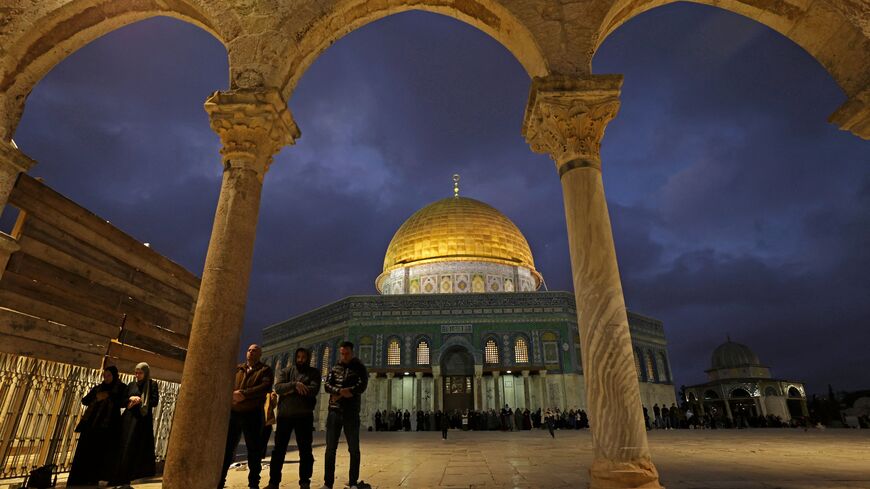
{"x": 687, "y": 459}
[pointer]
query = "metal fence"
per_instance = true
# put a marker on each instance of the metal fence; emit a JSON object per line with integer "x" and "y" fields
{"x": 40, "y": 405}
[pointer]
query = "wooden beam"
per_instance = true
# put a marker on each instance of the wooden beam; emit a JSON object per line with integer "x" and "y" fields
{"x": 46, "y": 204}
{"x": 86, "y": 291}
{"x": 14, "y": 323}
{"x": 72, "y": 264}
{"x": 126, "y": 352}
{"x": 37, "y": 349}
{"x": 17, "y": 302}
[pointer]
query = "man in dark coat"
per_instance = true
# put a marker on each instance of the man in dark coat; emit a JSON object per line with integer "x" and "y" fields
{"x": 297, "y": 387}
{"x": 346, "y": 382}
{"x": 253, "y": 383}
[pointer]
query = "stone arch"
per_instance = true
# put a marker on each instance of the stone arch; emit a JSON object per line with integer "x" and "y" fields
{"x": 314, "y": 31}
{"x": 40, "y": 38}
{"x": 454, "y": 341}
{"x": 739, "y": 393}
{"x": 834, "y": 32}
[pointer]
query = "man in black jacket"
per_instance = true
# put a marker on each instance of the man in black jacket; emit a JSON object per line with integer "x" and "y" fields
{"x": 297, "y": 386}
{"x": 345, "y": 384}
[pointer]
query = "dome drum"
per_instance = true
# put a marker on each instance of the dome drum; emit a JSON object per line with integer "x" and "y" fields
{"x": 457, "y": 277}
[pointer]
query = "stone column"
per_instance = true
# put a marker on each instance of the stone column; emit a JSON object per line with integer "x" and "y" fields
{"x": 496, "y": 385}
{"x": 390, "y": 390}
{"x": 728, "y": 410}
{"x": 545, "y": 391}
{"x": 566, "y": 117}
{"x": 253, "y": 125}
{"x": 371, "y": 397}
{"x": 12, "y": 163}
{"x": 526, "y": 393}
{"x": 478, "y": 387}
{"x": 438, "y": 393}
{"x": 418, "y": 381}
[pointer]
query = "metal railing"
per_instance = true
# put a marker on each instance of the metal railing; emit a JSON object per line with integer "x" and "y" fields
{"x": 40, "y": 405}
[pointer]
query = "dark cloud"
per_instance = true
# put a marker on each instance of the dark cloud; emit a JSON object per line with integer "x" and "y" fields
{"x": 736, "y": 208}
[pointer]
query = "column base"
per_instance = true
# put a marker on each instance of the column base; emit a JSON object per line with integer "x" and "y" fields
{"x": 639, "y": 474}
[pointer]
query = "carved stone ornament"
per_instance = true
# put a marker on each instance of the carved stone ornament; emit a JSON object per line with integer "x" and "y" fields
{"x": 253, "y": 126}
{"x": 566, "y": 116}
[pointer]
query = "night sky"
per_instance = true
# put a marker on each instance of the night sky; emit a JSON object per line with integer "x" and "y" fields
{"x": 737, "y": 209}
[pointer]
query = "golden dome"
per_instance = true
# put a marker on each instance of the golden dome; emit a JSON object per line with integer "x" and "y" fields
{"x": 459, "y": 229}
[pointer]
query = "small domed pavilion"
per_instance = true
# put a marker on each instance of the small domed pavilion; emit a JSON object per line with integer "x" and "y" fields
{"x": 739, "y": 385}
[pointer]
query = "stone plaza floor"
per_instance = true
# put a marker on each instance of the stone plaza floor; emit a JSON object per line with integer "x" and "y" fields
{"x": 686, "y": 459}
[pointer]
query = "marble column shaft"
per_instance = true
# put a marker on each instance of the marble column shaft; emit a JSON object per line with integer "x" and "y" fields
{"x": 566, "y": 118}
{"x": 526, "y": 388}
{"x": 390, "y": 391}
{"x": 418, "y": 387}
{"x": 496, "y": 385}
{"x": 253, "y": 125}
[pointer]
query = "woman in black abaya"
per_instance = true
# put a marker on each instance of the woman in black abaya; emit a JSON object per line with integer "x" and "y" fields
{"x": 136, "y": 457}
{"x": 99, "y": 429}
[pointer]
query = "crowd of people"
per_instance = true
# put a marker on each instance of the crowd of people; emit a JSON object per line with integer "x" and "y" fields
{"x": 112, "y": 446}
{"x": 506, "y": 419}
{"x": 684, "y": 417}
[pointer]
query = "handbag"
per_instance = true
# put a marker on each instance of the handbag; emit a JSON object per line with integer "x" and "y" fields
{"x": 41, "y": 478}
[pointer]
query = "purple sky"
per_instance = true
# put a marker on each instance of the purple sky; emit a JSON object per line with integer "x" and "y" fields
{"x": 737, "y": 209}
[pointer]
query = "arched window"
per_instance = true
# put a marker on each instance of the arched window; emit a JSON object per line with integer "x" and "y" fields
{"x": 491, "y": 352}
{"x": 422, "y": 352}
{"x": 637, "y": 356}
{"x": 324, "y": 365}
{"x": 521, "y": 350}
{"x": 394, "y": 352}
{"x": 663, "y": 367}
{"x": 794, "y": 392}
{"x": 736, "y": 393}
{"x": 650, "y": 367}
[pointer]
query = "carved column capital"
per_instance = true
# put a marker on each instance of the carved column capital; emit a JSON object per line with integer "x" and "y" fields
{"x": 390, "y": 375}
{"x": 525, "y": 373}
{"x": 854, "y": 115}
{"x": 419, "y": 375}
{"x": 566, "y": 118}
{"x": 253, "y": 124}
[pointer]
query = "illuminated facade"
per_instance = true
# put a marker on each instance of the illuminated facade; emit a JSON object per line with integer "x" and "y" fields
{"x": 460, "y": 324}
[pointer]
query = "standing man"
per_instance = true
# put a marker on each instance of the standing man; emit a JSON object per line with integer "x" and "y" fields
{"x": 297, "y": 386}
{"x": 252, "y": 384}
{"x": 345, "y": 384}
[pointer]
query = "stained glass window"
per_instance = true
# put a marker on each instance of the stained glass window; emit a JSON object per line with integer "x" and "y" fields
{"x": 491, "y": 351}
{"x": 422, "y": 353}
{"x": 521, "y": 351}
{"x": 394, "y": 353}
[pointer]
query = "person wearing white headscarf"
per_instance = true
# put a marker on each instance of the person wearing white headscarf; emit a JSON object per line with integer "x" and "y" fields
{"x": 136, "y": 457}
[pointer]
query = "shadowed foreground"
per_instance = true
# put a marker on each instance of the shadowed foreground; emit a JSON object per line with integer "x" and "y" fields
{"x": 687, "y": 459}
